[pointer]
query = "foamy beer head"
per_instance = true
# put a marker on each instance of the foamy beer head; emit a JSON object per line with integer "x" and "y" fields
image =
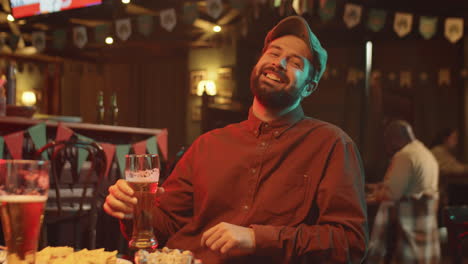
{"x": 142, "y": 168}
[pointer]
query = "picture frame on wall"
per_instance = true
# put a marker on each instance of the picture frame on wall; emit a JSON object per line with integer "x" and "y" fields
{"x": 195, "y": 78}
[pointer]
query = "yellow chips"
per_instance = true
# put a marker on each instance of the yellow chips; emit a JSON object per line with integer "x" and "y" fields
{"x": 66, "y": 255}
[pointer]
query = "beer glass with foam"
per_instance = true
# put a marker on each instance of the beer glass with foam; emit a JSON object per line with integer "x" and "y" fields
{"x": 142, "y": 174}
{"x": 24, "y": 186}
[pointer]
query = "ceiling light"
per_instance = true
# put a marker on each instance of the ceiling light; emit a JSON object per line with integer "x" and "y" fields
{"x": 216, "y": 28}
{"x": 10, "y": 18}
{"x": 126, "y": 1}
{"x": 109, "y": 40}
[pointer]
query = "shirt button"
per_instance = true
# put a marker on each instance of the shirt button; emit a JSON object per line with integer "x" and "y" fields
{"x": 263, "y": 144}
{"x": 276, "y": 133}
{"x": 245, "y": 207}
{"x": 253, "y": 170}
{"x": 266, "y": 125}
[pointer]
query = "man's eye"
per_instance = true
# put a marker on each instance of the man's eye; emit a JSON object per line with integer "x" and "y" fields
{"x": 274, "y": 54}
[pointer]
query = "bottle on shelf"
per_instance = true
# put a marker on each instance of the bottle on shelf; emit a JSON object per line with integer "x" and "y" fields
{"x": 100, "y": 111}
{"x": 114, "y": 110}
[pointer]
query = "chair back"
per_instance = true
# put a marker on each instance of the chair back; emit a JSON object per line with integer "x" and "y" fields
{"x": 74, "y": 191}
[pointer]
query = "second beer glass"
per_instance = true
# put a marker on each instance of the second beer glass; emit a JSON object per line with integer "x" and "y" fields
{"x": 142, "y": 174}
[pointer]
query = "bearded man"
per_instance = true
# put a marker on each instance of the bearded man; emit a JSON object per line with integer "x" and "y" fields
{"x": 279, "y": 187}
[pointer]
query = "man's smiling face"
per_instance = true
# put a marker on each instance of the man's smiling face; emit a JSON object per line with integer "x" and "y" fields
{"x": 280, "y": 78}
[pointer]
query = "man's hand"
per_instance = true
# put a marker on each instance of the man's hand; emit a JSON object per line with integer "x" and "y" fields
{"x": 120, "y": 201}
{"x": 229, "y": 239}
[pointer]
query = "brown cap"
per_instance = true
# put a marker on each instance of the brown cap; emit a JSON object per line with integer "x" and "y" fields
{"x": 298, "y": 26}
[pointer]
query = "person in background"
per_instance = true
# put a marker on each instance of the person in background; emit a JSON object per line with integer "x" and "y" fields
{"x": 279, "y": 187}
{"x": 444, "y": 149}
{"x": 408, "y": 198}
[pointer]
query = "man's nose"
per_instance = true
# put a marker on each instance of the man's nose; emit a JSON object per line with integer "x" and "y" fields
{"x": 281, "y": 62}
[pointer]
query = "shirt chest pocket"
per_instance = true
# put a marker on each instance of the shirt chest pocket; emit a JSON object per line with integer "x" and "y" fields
{"x": 288, "y": 198}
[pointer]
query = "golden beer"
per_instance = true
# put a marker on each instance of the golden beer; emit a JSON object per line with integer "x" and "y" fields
{"x": 21, "y": 220}
{"x": 142, "y": 234}
{"x": 142, "y": 174}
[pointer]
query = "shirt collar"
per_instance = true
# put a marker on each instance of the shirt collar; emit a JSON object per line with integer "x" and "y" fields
{"x": 283, "y": 123}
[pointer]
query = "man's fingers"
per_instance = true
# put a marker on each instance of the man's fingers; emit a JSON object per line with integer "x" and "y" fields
{"x": 117, "y": 192}
{"x": 118, "y": 205}
{"x": 213, "y": 238}
{"x": 228, "y": 246}
{"x": 112, "y": 213}
{"x": 124, "y": 187}
{"x": 218, "y": 243}
{"x": 208, "y": 234}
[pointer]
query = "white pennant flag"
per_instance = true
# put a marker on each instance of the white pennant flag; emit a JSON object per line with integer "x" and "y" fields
{"x": 214, "y": 8}
{"x": 298, "y": 6}
{"x": 39, "y": 40}
{"x": 453, "y": 29}
{"x": 80, "y": 37}
{"x": 123, "y": 27}
{"x": 403, "y": 23}
{"x": 352, "y": 15}
{"x": 168, "y": 19}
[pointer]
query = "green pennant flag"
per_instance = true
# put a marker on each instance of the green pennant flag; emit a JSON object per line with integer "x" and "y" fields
{"x": 38, "y": 136}
{"x": 327, "y": 9}
{"x": 145, "y": 25}
{"x": 101, "y": 32}
{"x": 190, "y": 13}
{"x": 427, "y": 26}
{"x": 376, "y": 20}
{"x": 151, "y": 145}
{"x": 277, "y": 3}
{"x": 120, "y": 152}
{"x": 1, "y": 147}
{"x": 59, "y": 37}
{"x": 82, "y": 153}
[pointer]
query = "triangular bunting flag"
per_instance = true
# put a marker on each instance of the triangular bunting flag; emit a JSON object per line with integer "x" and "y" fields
{"x": 214, "y": 8}
{"x": 277, "y": 3}
{"x": 1, "y": 147}
{"x": 403, "y": 23}
{"x": 299, "y": 6}
{"x": 190, "y": 13}
{"x": 162, "y": 143}
{"x": 145, "y": 25}
{"x": 327, "y": 9}
{"x": 101, "y": 32}
{"x": 80, "y": 36}
{"x": 39, "y": 40}
{"x": 14, "y": 143}
{"x": 38, "y": 137}
{"x": 82, "y": 153}
{"x": 58, "y": 38}
{"x": 140, "y": 147}
{"x": 453, "y": 29}
{"x": 376, "y": 20}
{"x": 168, "y": 19}
{"x": 120, "y": 152}
{"x": 123, "y": 27}
{"x": 63, "y": 132}
{"x": 353, "y": 76}
{"x": 109, "y": 151}
{"x": 427, "y": 26}
{"x": 352, "y": 15}
{"x": 151, "y": 145}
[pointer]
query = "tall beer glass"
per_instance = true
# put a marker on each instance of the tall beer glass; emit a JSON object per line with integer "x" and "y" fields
{"x": 142, "y": 174}
{"x": 24, "y": 186}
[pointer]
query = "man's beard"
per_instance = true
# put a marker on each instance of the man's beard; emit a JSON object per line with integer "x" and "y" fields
{"x": 270, "y": 98}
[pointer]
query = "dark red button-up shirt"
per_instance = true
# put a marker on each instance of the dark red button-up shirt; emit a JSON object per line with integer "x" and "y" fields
{"x": 298, "y": 182}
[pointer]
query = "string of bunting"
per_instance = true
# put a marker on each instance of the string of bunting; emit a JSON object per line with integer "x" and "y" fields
{"x": 353, "y": 15}
{"x": 37, "y": 133}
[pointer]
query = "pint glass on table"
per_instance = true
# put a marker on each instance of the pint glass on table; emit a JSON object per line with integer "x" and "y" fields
{"x": 142, "y": 174}
{"x": 24, "y": 185}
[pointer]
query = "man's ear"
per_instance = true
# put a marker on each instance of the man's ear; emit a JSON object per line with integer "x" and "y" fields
{"x": 309, "y": 89}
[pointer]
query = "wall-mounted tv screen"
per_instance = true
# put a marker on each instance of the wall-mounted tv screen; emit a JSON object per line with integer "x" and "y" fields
{"x": 26, "y": 8}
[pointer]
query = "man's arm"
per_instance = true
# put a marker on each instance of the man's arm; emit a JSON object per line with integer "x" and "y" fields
{"x": 340, "y": 234}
